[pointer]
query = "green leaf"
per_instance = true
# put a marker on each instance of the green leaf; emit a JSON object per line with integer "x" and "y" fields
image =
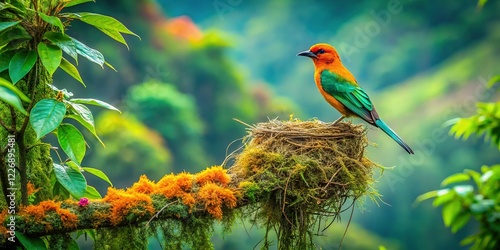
{"x": 115, "y": 35}
{"x": 493, "y": 81}
{"x": 46, "y": 116}
{"x": 73, "y": 245}
{"x": 475, "y": 176}
{"x": 90, "y": 127}
{"x": 71, "y": 70}
{"x": 8, "y": 96}
{"x": 460, "y": 222}
{"x": 5, "y": 59}
{"x": 463, "y": 190}
{"x": 98, "y": 173}
{"x": 451, "y": 211}
{"x": 94, "y": 102}
{"x": 426, "y": 196}
{"x": 19, "y": 93}
{"x": 445, "y": 197}
{"x": 72, "y": 142}
{"x": 50, "y": 55}
{"x": 64, "y": 42}
{"x": 72, "y": 180}
{"x": 16, "y": 33}
{"x": 468, "y": 240}
{"x": 86, "y": 118}
{"x": 92, "y": 193}
{"x": 52, "y": 20}
{"x": 110, "y": 66}
{"x": 105, "y": 22}
{"x": 459, "y": 177}
{"x": 30, "y": 242}
{"x": 20, "y": 12}
{"x": 20, "y": 64}
{"x": 76, "y": 2}
{"x": 6, "y": 25}
{"x": 89, "y": 53}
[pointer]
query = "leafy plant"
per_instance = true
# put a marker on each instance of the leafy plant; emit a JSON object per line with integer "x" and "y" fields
{"x": 482, "y": 199}
{"x": 33, "y": 46}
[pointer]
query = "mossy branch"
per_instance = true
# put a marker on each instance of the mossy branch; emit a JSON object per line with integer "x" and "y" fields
{"x": 291, "y": 175}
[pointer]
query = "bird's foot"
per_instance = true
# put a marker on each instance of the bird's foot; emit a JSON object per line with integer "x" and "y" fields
{"x": 338, "y": 120}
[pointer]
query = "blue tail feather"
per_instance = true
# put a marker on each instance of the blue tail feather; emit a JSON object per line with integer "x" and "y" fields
{"x": 384, "y": 127}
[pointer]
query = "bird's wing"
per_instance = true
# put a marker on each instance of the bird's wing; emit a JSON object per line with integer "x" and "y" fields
{"x": 351, "y": 96}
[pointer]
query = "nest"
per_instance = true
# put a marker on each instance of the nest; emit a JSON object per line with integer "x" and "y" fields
{"x": 302, "y": 173}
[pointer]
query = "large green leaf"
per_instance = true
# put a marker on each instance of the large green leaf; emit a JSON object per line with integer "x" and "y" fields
{"x": 89, "y": 126}
{"x": 98, "y": 173}
{"x": 115, "y": 35}
{"x": 16, "y": 33}
{"x": 460, "y": 222}
{"x": 64, "y": 42}
{"x": 450, "y": 212}
{"x": 92, "y": 193}
{"x": 52, "y": 20}
{"x": 6, "y": 25}
{"x": 94, "y": 102}
{"x": 9, "y": 97}
{"x": 21, "y": 63}
{"x": 104, "y": 22}
{"x": 76, "y": 2}
{"x": 19, "y": 93}
{"x": 46, "y": 116}
{"x": 20, "y": 10}
{"x": 71, "y": 179}
{"x": 50, "y": 55}
{"x": 89, "y": 53}
{"x": 454, "y": 178}
{"x": 30, "y": 242}
{"x": 5, "y": 59}
{"x": 86, "y": 118}
{"x": 72, "y": 142}
{"x": 71, "y": 70}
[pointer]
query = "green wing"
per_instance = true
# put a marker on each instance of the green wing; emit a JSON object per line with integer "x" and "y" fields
{"x": 347, "y": 93}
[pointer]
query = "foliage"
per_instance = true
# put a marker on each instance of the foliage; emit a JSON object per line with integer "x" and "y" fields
{"x": 481, "y": 202}
{"x": 34, "y": 44}
{"x": 486, "y": 121}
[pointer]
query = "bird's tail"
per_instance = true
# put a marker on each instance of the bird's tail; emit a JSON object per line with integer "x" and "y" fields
{"x": 381, "y": 124}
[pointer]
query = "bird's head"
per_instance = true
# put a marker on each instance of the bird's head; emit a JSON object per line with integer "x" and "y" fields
{"x": 322, "y": 54}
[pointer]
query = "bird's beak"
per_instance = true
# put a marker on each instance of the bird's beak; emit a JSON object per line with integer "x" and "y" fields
{"x": 307, "y": 53}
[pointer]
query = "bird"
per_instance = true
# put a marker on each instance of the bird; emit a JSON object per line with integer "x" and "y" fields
{"x": 341, "y": 90}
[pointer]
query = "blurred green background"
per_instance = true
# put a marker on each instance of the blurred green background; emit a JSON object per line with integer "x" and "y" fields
{"x": 202, "y": 63}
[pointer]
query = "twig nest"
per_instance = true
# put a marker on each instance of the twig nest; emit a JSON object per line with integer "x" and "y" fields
{"x": 300, "y": 171}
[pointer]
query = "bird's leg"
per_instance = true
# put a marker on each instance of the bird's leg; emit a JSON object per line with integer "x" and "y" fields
{"x": 338, "y": 120}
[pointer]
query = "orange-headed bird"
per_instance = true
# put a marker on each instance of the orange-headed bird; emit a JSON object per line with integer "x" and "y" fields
{"x": 341, "y": 90}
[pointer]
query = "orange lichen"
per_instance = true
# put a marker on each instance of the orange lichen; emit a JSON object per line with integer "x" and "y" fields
{"x": 214, "y": 174}
{"x": 124, "y": 202}
{"x": 38, "y": 213}
{"x": 177, "y": 186}
{"x": 214, "y": 197}
{"x": 144, "y": 186}
{"x": 31, "y": 188}
{"x": 3, "y": 229}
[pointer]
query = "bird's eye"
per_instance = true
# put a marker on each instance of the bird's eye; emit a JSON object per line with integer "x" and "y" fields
{"x": 321, "y": 51}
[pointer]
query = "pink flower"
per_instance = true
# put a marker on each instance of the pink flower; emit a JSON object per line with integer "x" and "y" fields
{"x": 83, "y": 202}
